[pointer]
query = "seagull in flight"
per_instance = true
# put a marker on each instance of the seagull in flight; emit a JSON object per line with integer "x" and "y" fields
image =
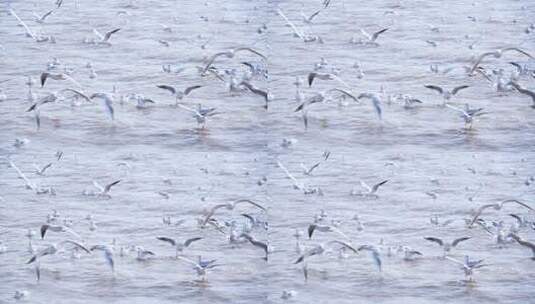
{"x": 108, "y": 102}
{"x": 201, "y": 266}
{"x": 41, "y": 19}
{"x": 497, "y": 54}
{"x": 526, "y": 92}
{"x": 376, "y": 100}
{"x": 468, "y": 265}
{"x": 324, "y": 76}
{"x": 445, "y": 245}
{"x": 324, "y": 228}
{"x": 372, "y": 191}
{"x": 105, "y": 39}
{"x": 375, "y": 255}
{"x": 176, "y": 92}
{"x": 104, "y": 191}
{"x": 230, "y": 206}
{"x": 108, "y": 254}
{"x": 262, "y": 93}
{"x": 257, "y": 243}
{"x": 524, "y": 243}
{"x": 446, "y": 94}
{"x": 55, "y": 248}
{"x": 200, "y": 114}
{"x": 58, "y": 76}
{"x": 324, "y": 96}
{"x": 179, "y": 245}
{"x": 372, "y": 38}
{"x": 496, "y": 206}
{"x": 322, "y": 248}
{"x": 57, "y": 228}
{"x": 230, "y": 54}
{"x": 468, "y": 114}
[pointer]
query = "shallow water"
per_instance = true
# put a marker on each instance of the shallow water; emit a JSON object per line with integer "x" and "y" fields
{"x": 418, "y": 150}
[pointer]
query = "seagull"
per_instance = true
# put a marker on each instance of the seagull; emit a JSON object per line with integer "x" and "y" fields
{"x": 41, "y": 171}
{"x": 54, "y": 248}
{"x": 230, "y": 54}
{"x": 446, "y": 94}
{"x": 496, "y": 206}
{"x": 375, "y": 255}
{"x": 108, "y": 254}
{"x": 298, "y": 32}
{"x": 57, "y": 228}
{"x": 324, "y": 228}
{"x": 468, "y": 114}
{"x": 53, "y": 97}
{"x": 179, "y": 246}
{"x": 308, "y": 171}
{"x": 29, "y": 183}
{"x": 179, "y": 94}
{"x": 523, "y": 91}
{"x": 142, "y": 254}
{"x": 104, "y": 39}
{"x": 372, "y": 190}
{"x": 104, "y": 191}
{"x": 372, "y": 38}
{"x": 29, "y": 32}
{"x": 58, "y": 76}
{"x": 257, "y": 243}
{"x": 321, "y": 248}
{"x": 410, "y": 254}
{"x": 309, "y": 18}
{"x": 376, "y": 100}
{"x": 496, "y": 54}
{"x": 467, "y": 265}
{"x": 447, "y": 246}
{"x": 108, "y": 102}
{"x": 200, "y": 266}
{"x": 200, "y": 114}
{"x": 323, "y": 97}
{"x": 41, "y": 19}
{"x": 324, "y": 76}
{"x": 230, "y": 206}
{"x": 257, "y": 91}
{"x": 524, "y": 243}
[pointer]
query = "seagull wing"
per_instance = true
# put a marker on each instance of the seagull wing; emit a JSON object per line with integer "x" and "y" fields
{"x": 249, "y": 202}
{"x": 108, "y": 186}
{"x": 376, "y": 34}
{"x": 189, "y": 241}
{"x": 518, "y": 51}
{"x": 435, "y": 88}
{"x": 517, "y": 202}
{"x": 434, "y": 239}
{"x": 189, "y": 89}
{"x": 457, "y": 241}
{"x": 76, "y": 244}
{"x": 457, "y": 89}
{"x": 108, "y": 34}
{"x": 376, "y": 186}
{"x": 168, "y": 88}
{"x": 168, "y": 240}
{"x": 250, "y": 50}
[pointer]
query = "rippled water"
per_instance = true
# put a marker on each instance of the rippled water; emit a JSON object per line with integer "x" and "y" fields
{"x": 160, "y": 149}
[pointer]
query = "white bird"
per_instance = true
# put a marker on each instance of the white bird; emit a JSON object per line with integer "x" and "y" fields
{"x": 200, "y": 114}
{"x": 104, "y": 191}
{"x": 371, "y": 38}
{"x": 230, "y": 54}
{"x": 57, "y": 76}
{"x": 376, "y": 256}
{"x": 524, "y": 91}
{"x": 142, "y": 254}
{"x": 322, "y": 248}
{"x": 446, "y": 94}
{"x": 376, "y": 100}
{"x": 179, "y": 245}
{"x": 54, "y": 96}
{"x": 497, "y": 54}
{"x": 105, "y": 39}
{"x": 108, "y": 102}
{"x": 179, "y": 94}
{"x": 447, "y": 246}
{"x": 496, "y": 206}
{"x": 55, "y": 248}
{"x": 324, "y": 228}
{"x": 524, "y": 243}
{"x": 468, "y": 266}
{"x": 108, "y": 253}
{"x": 41, "y": 19}
{"x": 323, "y": 96}
{"x": 230, "y": 206}
{"x": 57, "y": 228}
{"x": 372, "y": 191}
{"x": 468, "y": 114}
{"x": 200, "y": 267}
{"x": 324, "y": 76}
{"x": 41, "y": 171}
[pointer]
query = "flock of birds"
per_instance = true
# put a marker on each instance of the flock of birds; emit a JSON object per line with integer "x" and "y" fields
{"x": 252, "y": 220}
